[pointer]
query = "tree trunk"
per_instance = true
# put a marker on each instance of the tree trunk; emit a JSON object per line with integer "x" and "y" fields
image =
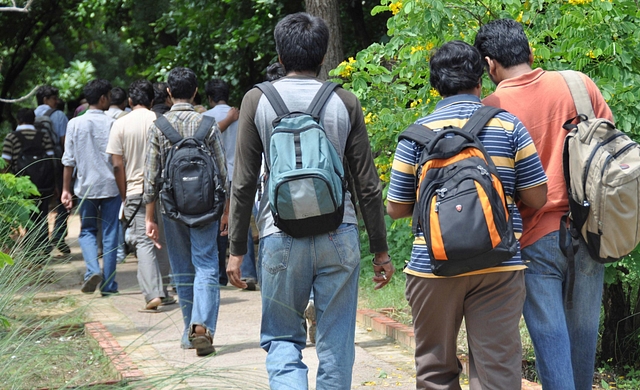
{"x": 329, "y": 10}
{"x": 356, "y": 14}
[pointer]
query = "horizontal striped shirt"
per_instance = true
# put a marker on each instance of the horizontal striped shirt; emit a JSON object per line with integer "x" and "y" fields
{"x": 13, "y": 147}
{"x": 508, "y": 143}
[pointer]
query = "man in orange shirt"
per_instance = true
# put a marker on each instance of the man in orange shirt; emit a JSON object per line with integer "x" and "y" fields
{"x": 564, "y": 339}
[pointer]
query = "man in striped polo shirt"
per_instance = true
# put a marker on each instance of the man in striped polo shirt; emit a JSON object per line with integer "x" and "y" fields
{"x": 491, "y": 299}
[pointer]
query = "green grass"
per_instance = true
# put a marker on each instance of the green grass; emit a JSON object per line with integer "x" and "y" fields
{"x": 42, "y": 341}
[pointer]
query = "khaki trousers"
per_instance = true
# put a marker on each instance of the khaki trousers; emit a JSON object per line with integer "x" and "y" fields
{"x": 491, "y": 305}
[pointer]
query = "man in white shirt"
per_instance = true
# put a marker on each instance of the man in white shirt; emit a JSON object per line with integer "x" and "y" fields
{"x": 85, "y": 158}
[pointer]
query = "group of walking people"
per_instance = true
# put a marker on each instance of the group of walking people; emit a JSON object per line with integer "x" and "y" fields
{"x": 114, "y": 162}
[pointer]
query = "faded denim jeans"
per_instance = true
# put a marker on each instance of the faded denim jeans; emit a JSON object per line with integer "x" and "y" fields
{"x": 564, "y": 340}
{"x": 193, "y": 254}
{"x": 329, "y": 265}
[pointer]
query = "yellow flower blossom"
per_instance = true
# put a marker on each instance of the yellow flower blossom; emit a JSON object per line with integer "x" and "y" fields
{"x": 416, "y": 48}
{"x": 579, "y": 2}
{"x": 346, "y": 69}
{"x": 429, "y": 46}
{"x": 352, "y": 60}
{"x": 590, "y": 54}
{"x": 433, "y": 93}
{"x": 369, "y": 118}
{"x": 461, "y": 35}
{"x": 395, "y": 7}
{"x": 519, "y": 18}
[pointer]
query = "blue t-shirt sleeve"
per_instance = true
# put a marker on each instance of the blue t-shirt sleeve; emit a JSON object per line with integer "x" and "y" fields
{"x": 60, "y": 122}
{"x": 402, "y": 186}
{"x": 528, "y": 168}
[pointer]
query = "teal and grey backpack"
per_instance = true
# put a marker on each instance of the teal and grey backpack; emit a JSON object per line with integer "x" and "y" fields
{"x": 306, "y": 178}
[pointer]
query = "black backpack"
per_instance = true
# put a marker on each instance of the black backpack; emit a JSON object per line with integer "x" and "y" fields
{"x": 461, "y": 207}
{"x": 33, "y": 161}
{"x": 192, "y": 187}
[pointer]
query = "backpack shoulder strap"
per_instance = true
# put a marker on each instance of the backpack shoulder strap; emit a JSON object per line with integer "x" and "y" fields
{"x": 203, "y": 129}
{"x": 274, "y": 98}
{"x": 321, "y": 98}
{"x": 50, "y": 111}
{"x": 419, "y": 134}
{"x": 579, "y": 93}
{"x": 165, "y": 127}
{"x": 26, "y": 143}
{"x": 480, "y": 118}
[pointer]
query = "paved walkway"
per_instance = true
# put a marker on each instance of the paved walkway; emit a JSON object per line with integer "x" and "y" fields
{"x": 152, "y": 341}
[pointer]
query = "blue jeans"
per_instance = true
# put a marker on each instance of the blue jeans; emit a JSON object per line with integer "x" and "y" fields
{"x": 90, "y": 210}
{"x": 328, "y": 264}
{"x": 564, "y": 340}
{"x": 193, "y": 254}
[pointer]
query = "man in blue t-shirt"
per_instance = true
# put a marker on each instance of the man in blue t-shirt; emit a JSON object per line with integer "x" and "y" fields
{"x": 47, "y": 98}
{"x": 490, "y": 300}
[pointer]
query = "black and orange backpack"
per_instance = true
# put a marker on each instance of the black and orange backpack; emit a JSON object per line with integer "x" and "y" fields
{"x": 461, "y": 206}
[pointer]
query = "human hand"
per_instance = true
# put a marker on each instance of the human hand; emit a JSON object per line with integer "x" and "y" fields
{"x": 233, "y": 114}
{"x": 152, "y": 233}
{"x": 234, "y": 274}
{"x": 383, "y": 269}
{"x": 224, "y": 224}
{"x": 66, "y": 199}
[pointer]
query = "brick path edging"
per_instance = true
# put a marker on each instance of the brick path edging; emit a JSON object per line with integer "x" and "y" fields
{"x": 403, "y": 334}
{"x": 123, "y": 364}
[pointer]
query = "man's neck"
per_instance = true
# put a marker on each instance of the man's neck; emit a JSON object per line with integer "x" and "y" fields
{"x": 95, "y": 107}
{"x": 309, "y": 73}
{"x": 138, "y": 107}
{"x": 176, "y": 101}
{"x": 514, "y": 71}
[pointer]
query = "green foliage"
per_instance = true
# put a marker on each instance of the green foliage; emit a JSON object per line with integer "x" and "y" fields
{"x": 71, "y": 81}
{"x": 392, "y": 80}
{"x": 5, "y": 259}
{"x": 15, "y": 207}
{"x": 227, "y": 38}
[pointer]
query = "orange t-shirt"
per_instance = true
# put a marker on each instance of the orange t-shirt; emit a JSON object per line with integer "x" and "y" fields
{"x": 542, "y": 101}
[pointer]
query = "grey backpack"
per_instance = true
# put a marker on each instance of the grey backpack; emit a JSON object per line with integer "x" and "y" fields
{"x": 192, "y": 187}
{"x": 602, "y": 171}
{"x": 44, "y": 123}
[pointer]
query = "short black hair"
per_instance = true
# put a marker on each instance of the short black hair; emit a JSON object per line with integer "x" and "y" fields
{"x": 26, "y": 116}
{"x": 160, "y": 93}
{"x": 95, "y": 89}
{"x": 301, "y": 42}
{"x": 217, "y": 90}
{"x": 182, "y": 83}
{"x": 46, "y": 91}
{"x": 275, "y": 71}
{"x": 456, "y": 66}
{"x": 141, "y": 93}
{"x": 503, "y": 40}
{"x": 118, "y": 96}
